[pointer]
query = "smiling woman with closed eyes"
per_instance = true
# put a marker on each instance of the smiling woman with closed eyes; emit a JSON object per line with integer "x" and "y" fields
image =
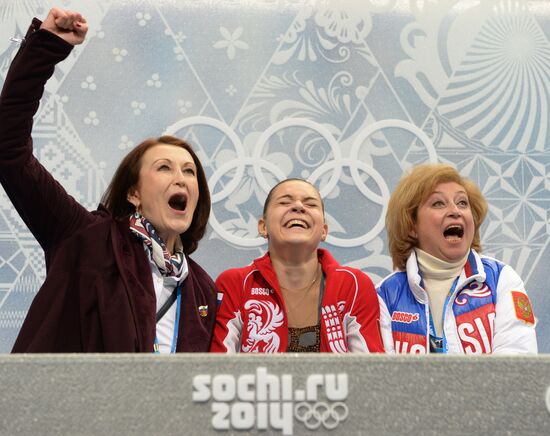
{"x": 296, "y": 297}
{"x": 446, "y": 297}
{"x": 119, "y": 279}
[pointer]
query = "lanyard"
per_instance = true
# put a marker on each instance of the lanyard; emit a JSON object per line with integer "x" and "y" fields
{"x": 156, "y": 349}
{"x": 438, "y": 344}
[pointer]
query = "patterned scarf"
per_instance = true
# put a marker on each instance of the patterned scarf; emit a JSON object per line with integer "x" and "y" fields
{"x": 169, "y": 266}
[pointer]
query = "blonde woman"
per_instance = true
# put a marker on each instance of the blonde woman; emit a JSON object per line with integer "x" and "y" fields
{"x": 445, "y": 296}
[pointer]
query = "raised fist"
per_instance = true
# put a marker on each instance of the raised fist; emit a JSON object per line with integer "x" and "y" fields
{"x": 69, "y": 25}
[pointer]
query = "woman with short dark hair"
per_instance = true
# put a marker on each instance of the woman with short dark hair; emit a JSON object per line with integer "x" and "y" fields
{"x": 118, "y": 279}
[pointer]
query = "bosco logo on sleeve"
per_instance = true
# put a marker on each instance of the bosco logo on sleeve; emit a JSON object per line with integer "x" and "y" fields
{"x": 522, "y": 307}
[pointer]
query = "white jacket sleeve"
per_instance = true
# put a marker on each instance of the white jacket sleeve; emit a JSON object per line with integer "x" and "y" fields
{"x": 385, "y": 327}
{"x": 514, "y": 325}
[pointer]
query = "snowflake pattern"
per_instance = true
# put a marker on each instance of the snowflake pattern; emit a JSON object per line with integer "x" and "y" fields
{"x": 125, "y": 143}
{"x": 184, "y": 106}
{"x": 154, "y": 81}
{"x": 231, "y": 42}
{"x": 91, "y": 119}
{"x": 88, "y": 83}
{"x": 119, "y": 54}
{"x": 143, "y": 18}
{"x": 231, "y": 90}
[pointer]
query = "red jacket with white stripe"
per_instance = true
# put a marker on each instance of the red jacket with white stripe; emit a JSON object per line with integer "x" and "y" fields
{"x": 252, "y": 316}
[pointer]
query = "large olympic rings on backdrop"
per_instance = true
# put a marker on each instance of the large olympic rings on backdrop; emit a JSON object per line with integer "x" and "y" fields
{"x": 380, "y": 199}
{"x": 395, "y": 124}
{"x": 253, "y": 162}
{"x": 336, "y": 164}
{"x": 313, "y": 415}
{"x": 224, "y": 128}
{"x": 239, "y": 164}
{"x": 298, "y": 122}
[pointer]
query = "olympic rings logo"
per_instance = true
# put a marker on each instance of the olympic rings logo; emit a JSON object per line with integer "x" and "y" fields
{"x": 362, "y": 174}
{"x": 313, "y": 416}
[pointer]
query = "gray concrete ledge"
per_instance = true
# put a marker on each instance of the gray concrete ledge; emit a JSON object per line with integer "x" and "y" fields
{"x": 282, "y": 394}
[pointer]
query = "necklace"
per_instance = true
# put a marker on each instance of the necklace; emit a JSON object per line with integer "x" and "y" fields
{"x": 305, "y": 290}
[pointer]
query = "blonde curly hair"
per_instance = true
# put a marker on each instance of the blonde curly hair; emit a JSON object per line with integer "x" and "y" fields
{"x": 413, "y": 189}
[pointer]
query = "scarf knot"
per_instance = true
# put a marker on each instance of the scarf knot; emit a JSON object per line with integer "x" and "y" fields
{"x": 174, "y": 265}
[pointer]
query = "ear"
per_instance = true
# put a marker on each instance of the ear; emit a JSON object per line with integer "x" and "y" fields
{"x": 133, "y": 197}
{"x": 262, "y": 229}
{"x": 325, "y": 232}
{"x": 412, "y": 233}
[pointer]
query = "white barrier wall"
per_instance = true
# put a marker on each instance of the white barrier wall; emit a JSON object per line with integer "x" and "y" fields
{"x": 345, "y": 93}
{"x": 280, "y": 395}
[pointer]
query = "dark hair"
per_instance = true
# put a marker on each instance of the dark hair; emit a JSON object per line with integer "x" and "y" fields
{"x": 292, "y": 179}
{"x": 127, "y": 176}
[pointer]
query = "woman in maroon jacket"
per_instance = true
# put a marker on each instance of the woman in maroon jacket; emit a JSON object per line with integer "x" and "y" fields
{"x": 119, "y": 279}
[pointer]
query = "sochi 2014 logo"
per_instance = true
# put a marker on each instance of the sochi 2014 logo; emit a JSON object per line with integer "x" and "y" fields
{"x": 267, "y": 401}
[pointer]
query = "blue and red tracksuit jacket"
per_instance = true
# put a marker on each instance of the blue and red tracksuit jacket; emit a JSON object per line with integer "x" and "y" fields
{"x": 486, "y": 311}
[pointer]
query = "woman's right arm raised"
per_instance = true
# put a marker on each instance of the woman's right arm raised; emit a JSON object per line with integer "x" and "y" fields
{"x": 43, "y": 204}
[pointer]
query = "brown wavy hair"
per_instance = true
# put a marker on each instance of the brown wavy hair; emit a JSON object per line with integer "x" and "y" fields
{"x": 127, "y": 176}
{"x": 414, "y": 189}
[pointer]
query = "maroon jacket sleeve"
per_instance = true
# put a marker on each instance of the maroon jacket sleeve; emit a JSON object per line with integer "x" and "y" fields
{"x": 198, "y": 311}
{"x": 43, "y": 204}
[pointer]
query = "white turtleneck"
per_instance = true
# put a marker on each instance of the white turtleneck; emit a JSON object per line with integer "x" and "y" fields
{"x": 438, "y": 277}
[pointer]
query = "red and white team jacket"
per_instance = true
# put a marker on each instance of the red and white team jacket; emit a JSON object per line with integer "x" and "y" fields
{"x": 252, "y": 317}
{"x": 488, "y": 311}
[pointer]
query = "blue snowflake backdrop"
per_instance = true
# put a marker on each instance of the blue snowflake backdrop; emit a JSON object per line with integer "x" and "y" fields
{"x": 345, "y": 93}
